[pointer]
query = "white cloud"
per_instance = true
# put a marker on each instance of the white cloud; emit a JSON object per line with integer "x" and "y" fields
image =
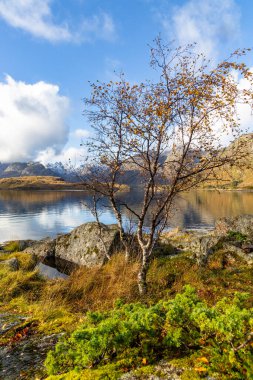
{"x": 81, "y": 133}
{"x": 32, "y": 119}
{"x": 72, "y": 155}
{"x": 36, "y": 18}
{"x": 207, "y": 22}
{"x": 99, "y": 26}
{"x": 244, "y": 113}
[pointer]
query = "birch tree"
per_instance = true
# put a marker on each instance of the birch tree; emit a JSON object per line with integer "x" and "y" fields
{"x": 183, "y": 115}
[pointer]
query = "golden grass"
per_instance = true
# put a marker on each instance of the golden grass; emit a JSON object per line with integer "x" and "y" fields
{"x": 46, "y": 183}
{"x": 96, "y": 288}
{"x": 59, "y": 305}
{"x": 38, "y": 183}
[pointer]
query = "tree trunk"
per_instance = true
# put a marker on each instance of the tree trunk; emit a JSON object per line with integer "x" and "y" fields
{"x": 123, "y": 239}
{"x": 142, "y": 275}
{"x": 127, "y": 252}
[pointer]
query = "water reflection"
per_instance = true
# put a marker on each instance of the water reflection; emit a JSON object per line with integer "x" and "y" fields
{"x": 36, "y": 214}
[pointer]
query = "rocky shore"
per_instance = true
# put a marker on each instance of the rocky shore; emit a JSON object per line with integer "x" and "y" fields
{"x": 91, "y": 245}
{"x": 24, "y": 343}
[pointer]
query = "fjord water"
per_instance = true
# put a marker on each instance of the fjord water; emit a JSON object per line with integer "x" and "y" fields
{"x": 37, "y": 214}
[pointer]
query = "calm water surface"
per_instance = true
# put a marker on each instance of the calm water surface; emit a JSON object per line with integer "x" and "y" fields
{"x": 37, "y": 214}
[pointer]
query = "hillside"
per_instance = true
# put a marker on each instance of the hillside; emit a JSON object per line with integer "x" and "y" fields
{"x": 38, "y": 183}
{"x": 56, "y": 176}
{"x": 237, "y": 177}
{"x": 27, "y": 169}
{"x": 17, "y": 169}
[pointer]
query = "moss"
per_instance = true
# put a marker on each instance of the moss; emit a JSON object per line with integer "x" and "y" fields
{"x": 191, "y": 374}
{"x": 144, "y": 372}
{"x": 238, "y": 236}
{"x": 12, "y": 246}
{"x": 107, "y": 372}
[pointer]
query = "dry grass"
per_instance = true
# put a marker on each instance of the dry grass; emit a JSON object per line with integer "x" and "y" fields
{"x": 57, "y": 305}
{"x": 45, "y": 183}
{"x": 38, "y": 183}
{"x": 96, "y": 288}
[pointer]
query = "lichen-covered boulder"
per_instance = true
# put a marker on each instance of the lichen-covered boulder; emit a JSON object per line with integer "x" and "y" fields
{"x": 43, "y": 249}
{"x": 245, "y": 252}
{"x": 203, "y": 247}
{"x": 241, "y": 223}
{"x": 88, "y": 245}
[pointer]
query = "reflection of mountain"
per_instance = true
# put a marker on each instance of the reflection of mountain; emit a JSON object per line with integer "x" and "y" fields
{"x": 31, "y": 196}
{"x": 204, "y": 207}
{"x": 33, "y": 214}
{"x": 227, "y": 203}
{"x": 19, "y": 202}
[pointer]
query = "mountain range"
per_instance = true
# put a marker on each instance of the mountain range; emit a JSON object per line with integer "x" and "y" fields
{"x": 231, "y": 177}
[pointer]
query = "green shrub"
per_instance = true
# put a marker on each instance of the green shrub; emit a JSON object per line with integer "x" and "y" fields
{"x": 132, "y": 333}
{"x": 238, "y": 236}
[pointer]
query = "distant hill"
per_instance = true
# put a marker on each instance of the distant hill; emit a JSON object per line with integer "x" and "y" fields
{"x": 18, "y": 169}
{"x": 38, "y": 183}
{"x": 28, "y": 169}
{"x": 241, "y": 176}
{"x": 231, "y": 178}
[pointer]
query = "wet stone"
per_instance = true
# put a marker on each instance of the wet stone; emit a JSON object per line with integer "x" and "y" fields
{"x": 22, "y": 359}
{"x": 9, "y": 321}
{"x": 25, "y": 359}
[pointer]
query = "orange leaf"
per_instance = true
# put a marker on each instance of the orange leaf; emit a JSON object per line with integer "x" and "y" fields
{"x": 200, "y": 369}
{"x": 203, "y": 360}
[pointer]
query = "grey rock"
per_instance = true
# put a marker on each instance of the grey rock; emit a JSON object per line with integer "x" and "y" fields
{"x": 12, "y": 264}
{"x": 230, "y": 247}
{"x": 9, "y": 321}
{"x": 241, "y": 223}
{"x": 49, "y": 272}
{"x": 84, "y": 246}
{"x": 203, "y": 247}
{"x": 43, "y": 248}
{"x": 26, "y": 358}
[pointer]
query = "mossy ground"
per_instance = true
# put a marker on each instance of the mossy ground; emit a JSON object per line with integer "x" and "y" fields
{"x": 55, "y": 306}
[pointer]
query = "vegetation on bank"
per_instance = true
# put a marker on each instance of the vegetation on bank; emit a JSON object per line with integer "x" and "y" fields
{"x": 45, "y": 183}
{"x": 215, "y": 339}
{"x": 197, "y": 330}
{"x": 37, "y": 183}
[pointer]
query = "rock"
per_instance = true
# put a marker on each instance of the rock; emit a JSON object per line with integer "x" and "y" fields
{"x": 204, "y": 246}
{"x": 12, "y": 264}
{"x": 84, "y": 247}
{"x": 241, "y": 223}
{"x": 43, "y": 248}
{"x": 231, "y": 247}
{"x": 25, "y": 359}
{"x": 247, "y": 248}
{"x": 49, "y": 272}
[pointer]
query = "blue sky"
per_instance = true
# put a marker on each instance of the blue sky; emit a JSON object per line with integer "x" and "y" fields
{"x": 50, "y": 49}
